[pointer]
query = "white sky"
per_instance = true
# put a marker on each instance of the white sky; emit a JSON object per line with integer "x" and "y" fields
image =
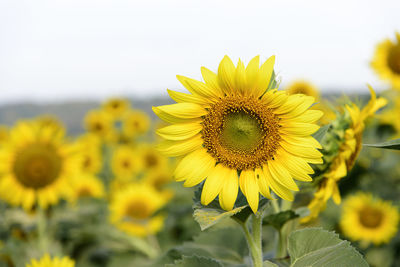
{"x": 90, "y": 49}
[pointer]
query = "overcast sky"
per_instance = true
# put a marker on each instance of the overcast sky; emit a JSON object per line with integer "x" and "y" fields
{"x": 90, "y": 49}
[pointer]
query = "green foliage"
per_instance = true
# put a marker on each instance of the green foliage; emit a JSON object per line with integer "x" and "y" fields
{"x": 211, "y": 214}
{"x": 314, "y": 247}
{"x": 279, "y": 219}
{"x": 269, "y": 264}
{"x": 392, "y": 144}
{"x": 319, "y": 135}
{"x": 195, "y": 261}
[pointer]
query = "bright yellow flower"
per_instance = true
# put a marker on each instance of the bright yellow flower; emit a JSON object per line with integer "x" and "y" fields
{"x": 37, "y": 165}
{"x": 386, "y": 61}
{"x": 100, "y": 123}
{"x": 125, "y": 163}
{"x": 116, "y": 107}
{"x": 135, "y": 123}
{"x": 348, "y": 152}
{"x": 303, "y": 87}
{"x": 87, "y": 186}
{"x": 46, "y": 261}
{"x": 369, "y": 219}
{"x": 132, "y": 210}
{"x": 235, "y": 131}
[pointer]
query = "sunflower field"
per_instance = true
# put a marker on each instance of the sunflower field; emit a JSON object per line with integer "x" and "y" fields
{"x": 233, "y": 170}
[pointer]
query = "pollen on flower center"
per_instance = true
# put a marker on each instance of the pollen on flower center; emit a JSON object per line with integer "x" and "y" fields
{"x": 241, "y": 132}
{"x": 393, "y": 59}
{"x": 370, "y": 217}
{"x": 37, "y": 166}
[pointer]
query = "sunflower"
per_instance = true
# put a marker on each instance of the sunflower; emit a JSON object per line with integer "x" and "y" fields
{"x": 116, "y": 107}
{"x": 125, "y": 162}
{"x": 4, "y": 132}
{"x": 90, "y": 158}
{"x": 158, "y": 178}
{"x": 151, "y": 158}
{"x": 303, "y": 87}
{"x": 132, "y": 210}
{"x": 386, "y": 61}
{"x": 46, "y": 261}
{"x": 370, "y": 219}
{"x": 37, "y": 165}
{"x": 391, "y": 116}
{"x": 349, "y": 149}
{"x": 87, "y": 186}
{"x": 100, "y": 123}
{"x": 236, "y": 131}
{"x": 135, "y": 123}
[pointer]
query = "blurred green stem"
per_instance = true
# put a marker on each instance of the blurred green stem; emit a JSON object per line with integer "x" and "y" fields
{"x": 254, "y": 239}
{"x": 275, "y": 205}
{"x": 281, "y": 248}
{"x": 42, "y": 228}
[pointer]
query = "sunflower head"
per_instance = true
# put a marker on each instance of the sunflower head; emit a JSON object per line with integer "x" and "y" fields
{"x": 370, "y": 219}
{"x": 87, "y": 186}
{"x": 133, "y": 208}
{"x": 125, "y": 162}
{"x": 342, "y": 145}
{"x": 116, "y": 107}
{"x": 135, "y": 122}
{"x": 303, "y": 87}
{"x": 100, "y": 123}
{"x": 47, "y": 261}
{"x": 236, "y": 130}
{"x": 37, "y": 165}
{"x": 386, "y": 61}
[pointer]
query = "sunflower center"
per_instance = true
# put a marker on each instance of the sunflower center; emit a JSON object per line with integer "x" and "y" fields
{"x": 151, "y": 160}
{"x": 37, "y": 165}
{"x": 370, "y": 217}
{"x": 138, "y": 210}
{"x": 84, "y": 192}
{"x": 241, "y": 132}
{"x": 393, "y": 59}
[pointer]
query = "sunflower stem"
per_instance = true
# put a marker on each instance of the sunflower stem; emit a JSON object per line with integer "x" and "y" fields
{"x": 281, "y": 248}
{"x": 41, "y": 228}
{"x": 254, "y": 239}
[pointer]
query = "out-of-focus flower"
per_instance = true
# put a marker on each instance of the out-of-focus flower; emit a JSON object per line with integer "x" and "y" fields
{"x": 303, "y": 87}
{"x": 90, "y": 158}
{"x": 158, "y": 178}
{"x": 370, "y": 219}
{"x": 391, "y": 116}
{"x": 87, "y": 186}
{"x": 235, "y": 130}
{"x": 342, "y": 145}
{"x": 132, "y": 210}
{"x": 100, "y": 123}
{"x": 116, "y": 107}
{"x": 386, "y": 61}
{"x": 151, "y": 158}
{"x": 4, "y": 133}
{"x": 125, "y": 162}
{"x": 135, "y": 122}
{"x": 46, "y": 261}
{"x": 37, "y": 165}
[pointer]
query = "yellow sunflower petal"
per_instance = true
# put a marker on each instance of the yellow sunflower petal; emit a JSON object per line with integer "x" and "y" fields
{"x": 178, "y": 148}
{"x": 179, "y": 131}
{"x": 229, "y": 191}
{"x": 249, "y": 186}
{"x": 226, "y": 75}
{"x": 214, "y": 183}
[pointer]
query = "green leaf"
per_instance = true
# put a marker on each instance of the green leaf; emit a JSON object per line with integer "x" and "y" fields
{"x": 314, "y": 247}
{"x": 279, "y": 219}
{"x": 207, "y": 217}
{"x": 195, "y": 261}
{"x": 269, "y": 264}
{"x": 211, "y": 214}
{"x": 392, "y": 144}
{"x": 319, "y": 135}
